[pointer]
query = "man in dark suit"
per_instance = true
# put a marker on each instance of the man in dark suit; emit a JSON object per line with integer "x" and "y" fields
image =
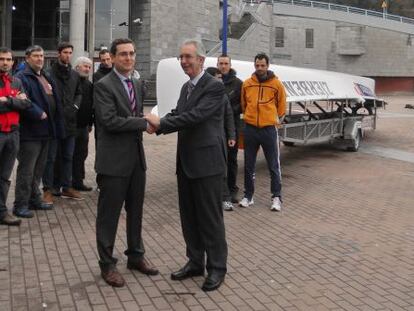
{"x": 120, "y": 162}
{"x": 201, "y": 165}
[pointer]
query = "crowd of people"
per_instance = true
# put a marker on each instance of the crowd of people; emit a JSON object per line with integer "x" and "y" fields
{"x": 47, "y": 115}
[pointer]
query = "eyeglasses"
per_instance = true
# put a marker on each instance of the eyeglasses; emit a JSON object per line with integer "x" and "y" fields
{"x": 185, "y": 56}
{"x": 125, "y": 54}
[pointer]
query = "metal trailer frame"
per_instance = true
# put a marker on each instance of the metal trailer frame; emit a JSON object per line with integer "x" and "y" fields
{"x": 324, "y": 126}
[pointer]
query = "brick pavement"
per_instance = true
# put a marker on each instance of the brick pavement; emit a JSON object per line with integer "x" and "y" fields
{"x": 344, "y": 240}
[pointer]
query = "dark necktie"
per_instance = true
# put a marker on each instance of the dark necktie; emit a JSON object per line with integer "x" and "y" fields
{"x": 190, "y": 88}
{"x": 131, "y": 94}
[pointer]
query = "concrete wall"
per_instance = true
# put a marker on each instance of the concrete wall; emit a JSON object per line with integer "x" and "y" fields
{"x": 141, "y": 34}
{"x": 166, "y": 24}
{"x": 344, "y": 47}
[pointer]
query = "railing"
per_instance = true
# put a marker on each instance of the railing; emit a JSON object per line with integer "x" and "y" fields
{"x": 337, "y": 7}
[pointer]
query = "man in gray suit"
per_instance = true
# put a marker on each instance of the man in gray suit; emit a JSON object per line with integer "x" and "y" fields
{"x": 120, "y": 162}
{"x": 201, "y": 165}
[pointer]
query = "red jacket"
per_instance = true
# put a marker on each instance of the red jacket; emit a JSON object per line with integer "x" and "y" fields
{"x": 9, "y": 110}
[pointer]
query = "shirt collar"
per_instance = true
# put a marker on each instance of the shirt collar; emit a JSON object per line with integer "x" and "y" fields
{"x": 197, "y": 78}
{"x": 122, "y": 77}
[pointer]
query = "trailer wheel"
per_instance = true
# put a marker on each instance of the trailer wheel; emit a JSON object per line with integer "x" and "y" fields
{"x": 363, "y": 110}
{"x": 355, "y": 142}
{"x": 288, "y": 143}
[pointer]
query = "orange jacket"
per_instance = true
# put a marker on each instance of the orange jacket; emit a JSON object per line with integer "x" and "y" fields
{"x": 263, "y": 103}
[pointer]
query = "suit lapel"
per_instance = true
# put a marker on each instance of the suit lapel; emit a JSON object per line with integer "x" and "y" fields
{"x": 197, "y": 91}
{"x": 119, "y": 88}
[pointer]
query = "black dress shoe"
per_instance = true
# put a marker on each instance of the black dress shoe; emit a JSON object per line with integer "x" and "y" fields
{"x": 40, "y": 206}
{"x": 213, "y": 281}
{"x": 82, "y": 187}
{"x": 188, "y": 271}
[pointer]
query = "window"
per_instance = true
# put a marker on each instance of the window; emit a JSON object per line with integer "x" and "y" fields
{"x": 309, "y": 38}
{"x": 279, "y": 37}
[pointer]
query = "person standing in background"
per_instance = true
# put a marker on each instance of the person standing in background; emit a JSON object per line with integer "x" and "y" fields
{"x": 85, "y": 121}
{"x": 58, "y": 176}
{"x": 13, "y": 100}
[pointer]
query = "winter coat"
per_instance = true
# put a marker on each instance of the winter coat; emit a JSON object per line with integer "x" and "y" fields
{"x": 263, "y": 102}
{"x": 31, "y": 126}
{"x": 70, "y": 92}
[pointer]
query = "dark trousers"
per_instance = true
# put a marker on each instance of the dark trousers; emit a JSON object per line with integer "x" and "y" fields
{"x": 202, "y": 220}
{"x": 58, "y": 172}
{"x": 9, "y": 146}
{"x": 268, "y": 139}
{"x": 32, "y": 158}
{"x": 114, "y": 192}
{"x": 230, "y": 188}
{"x": 232, "y": 168}
{"x": 79, "y": 156}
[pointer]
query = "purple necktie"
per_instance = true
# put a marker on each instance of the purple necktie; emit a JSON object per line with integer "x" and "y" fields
{"x": 131, "y": 94}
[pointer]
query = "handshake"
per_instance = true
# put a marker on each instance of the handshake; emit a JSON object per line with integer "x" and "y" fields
{"x": 153, "y": 123}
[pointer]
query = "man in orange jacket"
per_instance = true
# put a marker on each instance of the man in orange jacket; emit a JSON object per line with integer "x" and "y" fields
{"x": 263, "y": 102}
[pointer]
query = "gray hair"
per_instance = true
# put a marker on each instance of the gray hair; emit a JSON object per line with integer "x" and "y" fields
{"x": 200, "y": 49}
{"x": 82, "y": 60}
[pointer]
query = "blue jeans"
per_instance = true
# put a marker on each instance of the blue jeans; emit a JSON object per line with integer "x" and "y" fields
{"x": 268, "y": 139}
{"x": 58, "y": 172}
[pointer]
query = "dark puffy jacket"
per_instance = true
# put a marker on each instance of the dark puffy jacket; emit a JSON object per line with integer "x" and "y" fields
{"x": 31, "y": 126}
{"x": 85, "y": 113}
{"x": 100, "y": 73}
{"x": 233, "y": 86}
{"x": 70, "y": 91}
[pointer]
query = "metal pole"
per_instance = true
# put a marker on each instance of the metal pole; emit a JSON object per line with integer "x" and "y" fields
{"x": 77, "y": 27}
{"x": 91, "y": 29}
{"x": 224, "y": 28}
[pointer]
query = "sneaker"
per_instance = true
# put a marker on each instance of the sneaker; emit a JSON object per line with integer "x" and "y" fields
{"x": 227, "y": 206}
{"x": 276, "y": 205}
{"x": 71, "y": 193}
{"x": 23, "y": 212}
{"x": 47, "y": 197}
{"x": 245, "y": 202}
{"x": 10, "y": 220}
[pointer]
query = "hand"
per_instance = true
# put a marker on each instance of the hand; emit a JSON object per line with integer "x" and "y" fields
{"x": 150, "y": 129}
{"x": 43, "y": 116}
{"x": 21, "y": 96}
{"x": 154, "y": 120}
{"x": 3, "y": 99}
{"x": 231, "y": 143}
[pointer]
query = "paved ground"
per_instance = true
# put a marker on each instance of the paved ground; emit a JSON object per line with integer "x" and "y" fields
{"x": 344, "y": 240}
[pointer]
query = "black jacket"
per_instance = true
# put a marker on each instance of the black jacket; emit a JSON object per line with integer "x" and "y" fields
{"x": 100, "y": 73}
{"x": 70, "y": 92}
{"x": 229, "y": 128}
{"x": 232, "y": 86}
{"x": 201, "y": 147}
{"x": 85, "y": 112}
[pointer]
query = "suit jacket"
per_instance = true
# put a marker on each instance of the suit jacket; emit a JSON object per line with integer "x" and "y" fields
{"x": 201, "y": 146}
{"x": 119, "y": 133}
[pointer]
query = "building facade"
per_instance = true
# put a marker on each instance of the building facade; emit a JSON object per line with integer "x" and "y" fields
{"x": 321, "y": 36}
